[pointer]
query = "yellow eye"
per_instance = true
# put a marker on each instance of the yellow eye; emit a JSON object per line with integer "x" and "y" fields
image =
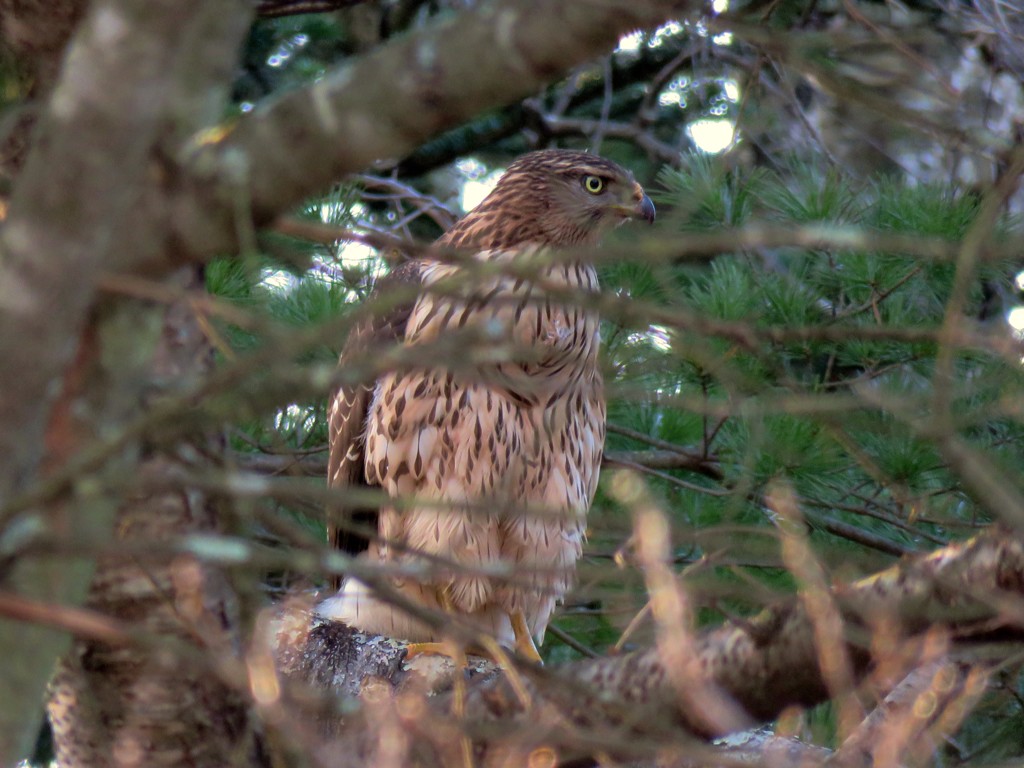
{"x": 593, "y": 184}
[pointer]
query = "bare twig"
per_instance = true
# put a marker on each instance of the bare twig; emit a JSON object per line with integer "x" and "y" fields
{"x": 277, "y": 8}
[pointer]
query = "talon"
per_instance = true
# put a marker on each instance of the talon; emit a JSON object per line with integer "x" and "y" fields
{"x": 524, "y": 640}
{"x": 435, "y": 649}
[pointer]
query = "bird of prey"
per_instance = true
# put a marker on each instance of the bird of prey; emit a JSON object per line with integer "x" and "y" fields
{"x": 501, "y": 458}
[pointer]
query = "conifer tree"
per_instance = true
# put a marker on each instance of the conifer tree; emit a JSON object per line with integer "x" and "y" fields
{"x": 812, "y": 478}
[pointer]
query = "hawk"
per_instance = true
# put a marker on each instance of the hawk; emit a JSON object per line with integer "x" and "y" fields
{"x": 501, "y": 457}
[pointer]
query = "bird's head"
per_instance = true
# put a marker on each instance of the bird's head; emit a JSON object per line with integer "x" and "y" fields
{"x": 554, "y": 197}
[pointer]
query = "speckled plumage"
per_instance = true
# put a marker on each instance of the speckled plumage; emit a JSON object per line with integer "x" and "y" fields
{"x": 505, "y": 456}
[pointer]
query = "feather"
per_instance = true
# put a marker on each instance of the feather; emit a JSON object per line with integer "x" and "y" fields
{"x": 503, "y": 458}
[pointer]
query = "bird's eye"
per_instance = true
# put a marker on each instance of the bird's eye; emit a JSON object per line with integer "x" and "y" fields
{"x": 593, "y": 184}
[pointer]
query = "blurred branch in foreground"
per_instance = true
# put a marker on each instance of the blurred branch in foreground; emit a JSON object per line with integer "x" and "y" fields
{"x": 963, "y": 602}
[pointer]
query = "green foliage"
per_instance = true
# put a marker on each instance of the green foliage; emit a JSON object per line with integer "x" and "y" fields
{"x": 810, "y": 194}
{"x": 842, "y": 417}
{"x": 705, "y": 195}
{"x": 992, "y": 735}
{"x": 286, "y": 52}
{"x": 292, "y": 285}
{"x": 853, "y": 460}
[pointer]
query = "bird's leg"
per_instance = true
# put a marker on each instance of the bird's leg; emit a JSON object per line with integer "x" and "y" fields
{"x": 524, "y": 640}
{"x": 488, "y": 648}
{"x": 435, "y": 649}
{"x": 454, "y": 650}
{"x": 443, "y": 648}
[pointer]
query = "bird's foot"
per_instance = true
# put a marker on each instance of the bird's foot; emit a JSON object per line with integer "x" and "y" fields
{"x": 524, "y": 640}
{"x": 434, "y": 649}
{"x": 489, "y": 649}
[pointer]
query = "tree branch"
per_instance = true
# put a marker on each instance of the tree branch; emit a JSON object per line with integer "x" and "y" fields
{"x": 315, "y": 465}
{"x": 434, "y": 79}
{"x": 503, "y": 124}
{"x": 276, "y": 8}
{"x": 971, "y": 591}
{"x": 132, "y": 73}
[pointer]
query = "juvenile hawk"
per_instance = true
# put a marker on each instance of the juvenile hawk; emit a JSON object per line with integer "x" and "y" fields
{"x": 505, "y": 455}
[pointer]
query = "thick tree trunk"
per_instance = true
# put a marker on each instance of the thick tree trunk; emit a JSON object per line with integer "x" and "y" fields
{"x": 119, "y": 177}
{"x": 77, "y": 370}
{"x": 156, "y": 699}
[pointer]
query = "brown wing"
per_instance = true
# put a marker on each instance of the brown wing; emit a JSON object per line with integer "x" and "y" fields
{"x": 347, "y": 527}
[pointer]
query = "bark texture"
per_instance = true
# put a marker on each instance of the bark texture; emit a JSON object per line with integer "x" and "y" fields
{"x": 159, "y": 702}
{"x": 76, "y": 367}
{"x": 122, "y": 167}
{"x": 960, "y": 596}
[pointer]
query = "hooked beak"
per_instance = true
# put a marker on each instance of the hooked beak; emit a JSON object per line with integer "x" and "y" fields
{"x": 642, "y": 207}
{"x": 645, "y": 209}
